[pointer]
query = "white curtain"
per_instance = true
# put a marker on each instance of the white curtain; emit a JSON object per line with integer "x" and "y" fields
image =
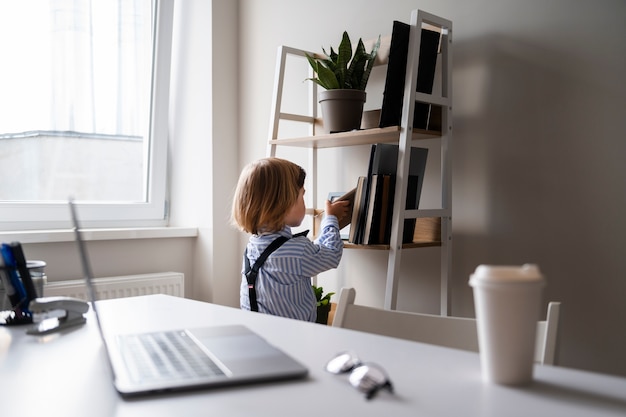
{"x": 75, "y": 65}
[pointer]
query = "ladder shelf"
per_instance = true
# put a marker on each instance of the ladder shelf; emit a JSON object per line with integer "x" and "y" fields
{"x": 435, "y": 224}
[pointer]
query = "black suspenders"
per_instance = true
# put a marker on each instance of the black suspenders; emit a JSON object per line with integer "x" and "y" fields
{"x": 251, "y": 273}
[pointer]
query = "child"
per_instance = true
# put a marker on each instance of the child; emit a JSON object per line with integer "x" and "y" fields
{"x": 268, "y": 202}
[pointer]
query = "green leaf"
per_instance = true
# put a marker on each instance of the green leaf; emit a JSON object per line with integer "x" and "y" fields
{"x": 370, "y": 64}
{"x": 318, "y": 292}
{"x": 312, "y": 62}
{"x": 316, "y": 81}
{"x": 333, "y": 58}
{"x": 345, "y": 54}
{"x": 342, "y": 69}
{"x": 322, "y": 300}
{"x": 357, "y": 66}
{"x": 327, "y": 78}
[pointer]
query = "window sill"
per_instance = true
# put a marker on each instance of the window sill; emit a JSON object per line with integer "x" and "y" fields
{"x": 67, "y": 235}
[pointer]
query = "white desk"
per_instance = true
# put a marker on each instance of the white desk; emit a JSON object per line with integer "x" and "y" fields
{"x": 67, "y": 374}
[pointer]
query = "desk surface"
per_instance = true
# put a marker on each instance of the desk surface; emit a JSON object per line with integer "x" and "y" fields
{"x": 68, "y": 373}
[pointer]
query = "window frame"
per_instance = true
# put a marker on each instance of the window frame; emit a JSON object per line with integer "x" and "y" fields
{"x": 52, "y": 215}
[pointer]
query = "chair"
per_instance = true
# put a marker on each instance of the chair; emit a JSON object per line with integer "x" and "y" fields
{"x": 453, "y": 332}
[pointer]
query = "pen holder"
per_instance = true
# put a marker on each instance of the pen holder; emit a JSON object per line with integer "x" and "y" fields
{"x": 38, "y": 276}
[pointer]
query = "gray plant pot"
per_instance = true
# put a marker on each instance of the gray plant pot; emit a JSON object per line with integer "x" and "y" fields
{"x": 341, "y": 109}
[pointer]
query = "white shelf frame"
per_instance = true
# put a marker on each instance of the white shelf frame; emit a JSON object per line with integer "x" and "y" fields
{"x": 404, "y": 135}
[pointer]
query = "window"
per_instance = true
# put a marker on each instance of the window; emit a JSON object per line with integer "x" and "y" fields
{"x": 85, "y": 91}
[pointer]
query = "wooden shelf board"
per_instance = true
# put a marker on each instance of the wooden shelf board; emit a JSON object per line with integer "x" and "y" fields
{"x": 360, "y": 137}
{"x": 421, "y": 244}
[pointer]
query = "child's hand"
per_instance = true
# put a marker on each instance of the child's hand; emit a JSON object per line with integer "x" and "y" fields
{"x": 338, "y": 208}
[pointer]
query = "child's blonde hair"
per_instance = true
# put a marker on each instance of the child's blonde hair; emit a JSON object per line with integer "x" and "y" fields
{"x": 266, "y": 190}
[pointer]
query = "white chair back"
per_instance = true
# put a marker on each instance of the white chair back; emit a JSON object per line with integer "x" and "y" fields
{"x": 454, "y": 332}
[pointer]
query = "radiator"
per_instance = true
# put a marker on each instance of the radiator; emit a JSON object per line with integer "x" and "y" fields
{"x": 170, "y": 283}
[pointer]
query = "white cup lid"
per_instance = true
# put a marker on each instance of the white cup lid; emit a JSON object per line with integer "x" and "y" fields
{"x": 494, "y": 274}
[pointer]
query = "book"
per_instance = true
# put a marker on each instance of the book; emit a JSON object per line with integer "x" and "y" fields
{"x": 378, "y": 210}
{"x": 429, "y": 48}
{"x": 372, "y": 219}
{"x": 393, "y": 94}
{"x": 359, "y": 196}
{"x": 413, "y": 191}
{"x": 435, "y": 116}
{"x": 364, "y": 203}
{"x": 391, "y": 110}
{"x": 347, "y": 219}
{"x": 349, "y": 196}
{"x": 384, "y": 227}
{"x": 372, "y": 172}
{"x": 384, "y": 161}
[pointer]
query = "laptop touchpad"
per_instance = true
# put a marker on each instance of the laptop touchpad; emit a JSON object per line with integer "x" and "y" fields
{"x": 234, "y": 342}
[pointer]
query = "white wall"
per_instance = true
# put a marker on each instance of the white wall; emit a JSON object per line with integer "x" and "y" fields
{"x": 539, "y": 102}
{"x": 117, "y": 257}
{"x": 538, "y": 172}
{"x": 204, "y": 144}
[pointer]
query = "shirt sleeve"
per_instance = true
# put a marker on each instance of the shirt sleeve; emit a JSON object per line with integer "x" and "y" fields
{"x": 326, "y": 251}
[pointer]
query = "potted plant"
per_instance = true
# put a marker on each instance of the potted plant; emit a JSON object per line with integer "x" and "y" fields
{"x": 344, "y": 76}
{"x": 323, "y": 304}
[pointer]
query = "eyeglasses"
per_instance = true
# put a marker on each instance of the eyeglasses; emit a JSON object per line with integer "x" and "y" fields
{"x": 366, "y": 377}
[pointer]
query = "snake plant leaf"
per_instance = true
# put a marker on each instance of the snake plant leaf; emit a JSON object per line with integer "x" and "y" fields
{"x": 370, "y": 64}
{"x": 342, "y": 69}
{"x": 343, "y": 58}
{"x": 357, "y": 66}
{"x": 325, "y": 77}
{"x": 331, "y": 62}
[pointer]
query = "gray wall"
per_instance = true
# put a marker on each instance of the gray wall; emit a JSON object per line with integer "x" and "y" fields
{"x": 538, "y": 172}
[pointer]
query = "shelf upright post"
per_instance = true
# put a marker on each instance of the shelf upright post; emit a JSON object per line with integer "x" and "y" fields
{"x": 420, "y": 19}
{"x": 446, "y": 167}
{"x": 313, "y": 152}
{"x": 276, "y": 114}
{"x": 402, "y": 173}
{"x": 279, "y": 78}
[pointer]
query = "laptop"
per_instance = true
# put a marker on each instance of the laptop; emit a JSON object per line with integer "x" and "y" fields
{"x": 184, "y": 358}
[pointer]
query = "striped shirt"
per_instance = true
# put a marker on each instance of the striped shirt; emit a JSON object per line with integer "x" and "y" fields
{"x": 283, "y": 285}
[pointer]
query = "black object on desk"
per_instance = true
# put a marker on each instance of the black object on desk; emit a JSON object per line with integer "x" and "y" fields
{"x": 18, "y": 284}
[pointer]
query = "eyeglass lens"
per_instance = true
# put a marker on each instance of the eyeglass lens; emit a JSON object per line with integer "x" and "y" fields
{"x": 342, "y": 363}
{"x": 367, "y": 378}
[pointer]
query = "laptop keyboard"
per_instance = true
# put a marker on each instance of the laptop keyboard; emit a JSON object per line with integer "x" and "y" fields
{"x": 166, "y": 356}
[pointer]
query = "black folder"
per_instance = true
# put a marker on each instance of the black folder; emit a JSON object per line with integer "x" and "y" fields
{"x": 384, "y": 161}
{"x": 393, "y": 95}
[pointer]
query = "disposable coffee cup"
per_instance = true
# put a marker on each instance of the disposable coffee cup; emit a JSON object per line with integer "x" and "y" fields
{"x": 507, "y": 300}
